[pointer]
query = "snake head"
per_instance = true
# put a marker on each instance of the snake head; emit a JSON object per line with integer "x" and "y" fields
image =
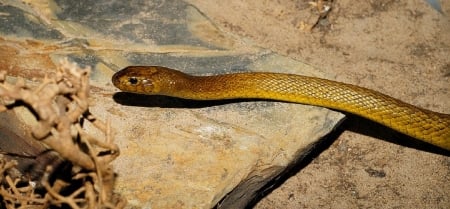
{"x": 149, "y": 80}
{"x": 137, "y": 79}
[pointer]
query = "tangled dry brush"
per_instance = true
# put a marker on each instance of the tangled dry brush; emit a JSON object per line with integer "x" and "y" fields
{"x": 60, "y": 107}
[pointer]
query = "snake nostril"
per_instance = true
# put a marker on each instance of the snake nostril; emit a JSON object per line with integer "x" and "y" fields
{"x": 133, "y": 80}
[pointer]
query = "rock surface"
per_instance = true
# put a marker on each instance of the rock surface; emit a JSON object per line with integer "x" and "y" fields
{"x": 174, "y": 153}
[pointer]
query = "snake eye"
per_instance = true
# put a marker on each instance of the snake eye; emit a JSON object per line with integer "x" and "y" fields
{"x": 133, "y": 80}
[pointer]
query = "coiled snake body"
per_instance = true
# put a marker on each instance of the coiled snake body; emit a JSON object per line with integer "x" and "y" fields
{"x": 425, "y": 125}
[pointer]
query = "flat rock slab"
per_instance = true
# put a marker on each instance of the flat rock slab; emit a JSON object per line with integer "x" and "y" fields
{"x": 174, "y": 153}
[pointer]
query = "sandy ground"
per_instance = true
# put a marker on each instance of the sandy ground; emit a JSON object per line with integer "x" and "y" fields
{"x": 400, "y": 48}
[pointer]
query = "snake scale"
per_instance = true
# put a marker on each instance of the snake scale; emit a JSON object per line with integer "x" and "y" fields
{"x": 425, "y": 125}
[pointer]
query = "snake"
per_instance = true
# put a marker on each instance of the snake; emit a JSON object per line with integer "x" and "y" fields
{"x": 422, "y": 124}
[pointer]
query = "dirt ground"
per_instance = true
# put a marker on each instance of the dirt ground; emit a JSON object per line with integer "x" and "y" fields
{"x": 400, "y": 48}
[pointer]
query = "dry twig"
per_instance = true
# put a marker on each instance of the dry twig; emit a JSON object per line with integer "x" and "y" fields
{"x": 60, "y": 104}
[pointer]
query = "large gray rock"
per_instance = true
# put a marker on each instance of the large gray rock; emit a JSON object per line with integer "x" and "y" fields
{"x": 174, "y": 153}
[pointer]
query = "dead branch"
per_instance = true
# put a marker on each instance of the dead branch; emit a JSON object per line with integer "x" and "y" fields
{"x": 60, "y": 104}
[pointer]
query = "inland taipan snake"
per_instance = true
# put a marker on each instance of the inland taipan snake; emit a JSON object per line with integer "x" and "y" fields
{"x": 425, "y": 125}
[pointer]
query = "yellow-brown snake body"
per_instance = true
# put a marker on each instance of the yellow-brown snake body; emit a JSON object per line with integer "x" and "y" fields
{"x": 425, "y": 125}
